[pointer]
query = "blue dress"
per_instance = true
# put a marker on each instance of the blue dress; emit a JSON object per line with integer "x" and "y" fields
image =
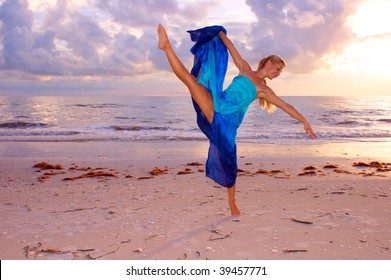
{"x": 230, "y": 105}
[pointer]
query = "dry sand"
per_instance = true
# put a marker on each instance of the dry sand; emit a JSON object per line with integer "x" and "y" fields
{"x": 153, "y": 201}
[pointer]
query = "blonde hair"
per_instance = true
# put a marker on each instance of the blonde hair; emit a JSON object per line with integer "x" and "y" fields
{"x": 274, "y": 59}
{"x": 267, "y": 106}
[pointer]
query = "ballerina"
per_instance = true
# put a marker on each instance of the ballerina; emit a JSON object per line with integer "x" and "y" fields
{"x": 220, "y": 112}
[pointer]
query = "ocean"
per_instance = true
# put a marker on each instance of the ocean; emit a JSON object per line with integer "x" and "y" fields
{"x": 172, "y": 118}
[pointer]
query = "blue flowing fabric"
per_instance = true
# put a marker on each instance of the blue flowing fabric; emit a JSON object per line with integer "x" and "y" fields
{"x": 230, "y": 105}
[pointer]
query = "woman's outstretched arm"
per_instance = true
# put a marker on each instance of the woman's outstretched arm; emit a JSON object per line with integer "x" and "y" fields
{"x": 240, "y": 63}
{"x": 269, "y": 95}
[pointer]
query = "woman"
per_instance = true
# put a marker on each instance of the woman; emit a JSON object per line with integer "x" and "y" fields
{"x": 220, "y": 113}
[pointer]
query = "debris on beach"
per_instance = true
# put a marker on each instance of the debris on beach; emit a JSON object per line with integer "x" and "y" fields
{"x": 307, "y": 168}
{"x": 91, "y": 174}
{"x": 331, "y": 166}
{"x": 185, "y": 171}
{"x": 383, "y": 169}
{"x": 371, "y": 164}
{"x": 36, "y": 249}
{"x": 157, "y": 171}
{"x": 52, "y": 172}
{"x": 370, "y": 168}
{"x": 242, "y": 172}
{"x": 295, "y": 250}
{"x": 145, "y": 177}
{"x": 196, "y": 163}
{"x": 47, "y": 166}
{"x": 306, "y": 173}
{"x": 191, "y": 256}
{"x": 98, "y": 255}
{"x": 342, "y": 171}
{"x": 138, "y": 250}
{"x": 311, "y": 171}
{"x": 33, "y": 251}
{"x": 301, "y": 221}
{"x": 367, "y": 174}
{"x": 44, "y": 166}
{"x": 76, "y": 168}
{"x": 380, "y": 166}
{"x": 262, "y": 171}
{"x": 275, "y": 173}
{"x": 211, "y": 238}
{"x": 338, "y": 192}
{"x": 43, "y": 178}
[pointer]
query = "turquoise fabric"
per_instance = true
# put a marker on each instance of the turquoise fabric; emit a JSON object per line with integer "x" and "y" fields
{"x": 238, "y": 96}
{"x": 230, "y": 105}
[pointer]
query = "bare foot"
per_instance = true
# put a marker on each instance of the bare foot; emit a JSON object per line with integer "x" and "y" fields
{"x": 164, "y": 43}
{"x": 234, "y": 209}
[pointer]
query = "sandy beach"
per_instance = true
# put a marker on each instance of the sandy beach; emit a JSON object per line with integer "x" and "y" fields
{"x": 118, "y": 200}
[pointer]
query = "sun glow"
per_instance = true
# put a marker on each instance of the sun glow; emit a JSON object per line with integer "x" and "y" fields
{"x": 370, "y": 53}
{"x": 371, "y": 57}
{"x": 372, "y": 18}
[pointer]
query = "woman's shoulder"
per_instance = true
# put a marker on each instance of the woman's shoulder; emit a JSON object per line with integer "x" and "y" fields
{"x": 251, "y": 76}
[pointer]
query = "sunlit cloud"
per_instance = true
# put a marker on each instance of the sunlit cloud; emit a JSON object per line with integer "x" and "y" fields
{"x": 302, "y": 31}
{"x": 85, "y": 40}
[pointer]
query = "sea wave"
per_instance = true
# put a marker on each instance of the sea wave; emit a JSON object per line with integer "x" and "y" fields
{"x": 19, "y": 124}
{"x": 62, "y": 119}
{"x": 384, "y": 120}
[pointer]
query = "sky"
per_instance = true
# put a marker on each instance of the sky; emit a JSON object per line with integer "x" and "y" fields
{"x": 109, "y": 47}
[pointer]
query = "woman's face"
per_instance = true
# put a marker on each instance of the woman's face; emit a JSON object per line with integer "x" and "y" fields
{"x": 274, "y": 70}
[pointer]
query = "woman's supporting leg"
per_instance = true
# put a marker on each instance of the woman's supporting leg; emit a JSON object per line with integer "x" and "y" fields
{"x": 198, "y": 92}
{"x": 232, "y": 201}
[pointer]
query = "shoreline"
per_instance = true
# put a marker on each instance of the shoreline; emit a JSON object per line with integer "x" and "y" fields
{"x": 175, "y": 212}
{"x": 153, "y": 149}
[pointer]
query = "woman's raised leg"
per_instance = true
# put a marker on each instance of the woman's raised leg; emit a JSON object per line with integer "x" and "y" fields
{"x": 200, "y": 95}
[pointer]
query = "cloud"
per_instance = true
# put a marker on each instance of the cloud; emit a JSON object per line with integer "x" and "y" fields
{"x": 15, "y": 14}
{"x": 79, "y": 39}
{"x": 20, "y": 50}
{"x": 138, "y": 13}
{"x": 118, "y": 38}
{"x": 381, "y": 36}
{"x": 69, "y": 43}
{"x": 301, "y": 31}
{"x": 63, "y": 39}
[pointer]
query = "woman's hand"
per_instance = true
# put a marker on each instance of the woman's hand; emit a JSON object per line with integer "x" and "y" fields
{"x": 308, "y": 130}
